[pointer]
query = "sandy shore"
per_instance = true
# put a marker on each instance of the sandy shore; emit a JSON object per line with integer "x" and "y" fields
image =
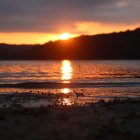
{"x": 118, "y": 121}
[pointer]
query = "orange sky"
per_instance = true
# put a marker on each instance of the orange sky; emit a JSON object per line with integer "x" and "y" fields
{"x": 81, "y": 28}
{"x": 29, "y": 38}
{"x": 39, "y": 21}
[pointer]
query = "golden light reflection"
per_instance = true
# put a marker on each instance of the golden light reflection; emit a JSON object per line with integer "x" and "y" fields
{"x": 65, "y": 90}
{"x": 66, "y": 101}
{"x": 66, "y": 71}
{"x": 67, "y": 97}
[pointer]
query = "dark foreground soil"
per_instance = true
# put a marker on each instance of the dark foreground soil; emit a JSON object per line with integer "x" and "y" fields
{"x": 99, "y": 122}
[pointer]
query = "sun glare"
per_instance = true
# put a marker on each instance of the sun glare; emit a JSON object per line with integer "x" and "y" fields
{"x": 65, "y": 36}
{"x": 67, "y": 71}
{"x": 65, "y": 90}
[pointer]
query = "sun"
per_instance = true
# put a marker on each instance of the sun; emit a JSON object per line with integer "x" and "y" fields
{"x": 65, "y": 36}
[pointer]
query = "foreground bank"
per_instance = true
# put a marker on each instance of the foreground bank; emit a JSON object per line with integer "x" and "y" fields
{"x": 114, "y": 120}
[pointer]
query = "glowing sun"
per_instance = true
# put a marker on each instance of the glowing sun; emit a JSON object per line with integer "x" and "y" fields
{"x": 65, "y": 36}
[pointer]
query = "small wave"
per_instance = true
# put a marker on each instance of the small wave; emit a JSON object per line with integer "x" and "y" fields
{"x": 69, "y": 85}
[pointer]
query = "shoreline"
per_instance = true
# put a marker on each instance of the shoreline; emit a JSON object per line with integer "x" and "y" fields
{"x": 97, "y": 121}
{"x": 69, "y": 85}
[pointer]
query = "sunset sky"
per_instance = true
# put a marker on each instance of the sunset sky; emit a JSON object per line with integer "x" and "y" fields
{"x": 38, "y": 21}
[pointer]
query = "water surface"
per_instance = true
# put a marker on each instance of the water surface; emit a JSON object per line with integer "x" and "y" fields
{"x": 69, "y": 71}
{"x": 114, "y": 78}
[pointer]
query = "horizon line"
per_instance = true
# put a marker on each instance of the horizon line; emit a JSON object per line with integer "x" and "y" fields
{"x": 20, "y": 44}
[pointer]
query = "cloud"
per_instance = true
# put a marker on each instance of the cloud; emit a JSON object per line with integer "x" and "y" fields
{"x": 51, "y": 16}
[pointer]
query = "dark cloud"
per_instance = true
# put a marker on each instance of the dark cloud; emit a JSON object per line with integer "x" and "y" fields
{"x": 50, "y": 15}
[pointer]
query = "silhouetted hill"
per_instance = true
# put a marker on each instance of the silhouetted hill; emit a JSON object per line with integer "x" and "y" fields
{"x": 122, "y": 45}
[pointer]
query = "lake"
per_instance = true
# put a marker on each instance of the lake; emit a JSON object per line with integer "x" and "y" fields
{"x": 113, "y": 77}
{"x": 69, "y": 71}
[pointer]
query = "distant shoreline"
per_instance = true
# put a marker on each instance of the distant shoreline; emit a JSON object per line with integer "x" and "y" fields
{"x": 113, "y": 59}
{"x": 115, "y": 46}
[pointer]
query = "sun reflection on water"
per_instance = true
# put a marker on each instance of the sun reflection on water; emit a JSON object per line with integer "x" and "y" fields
{"x": 66, "y": 71}
{"x": 65, "y": 90}
{"x": 66, "y": 101}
